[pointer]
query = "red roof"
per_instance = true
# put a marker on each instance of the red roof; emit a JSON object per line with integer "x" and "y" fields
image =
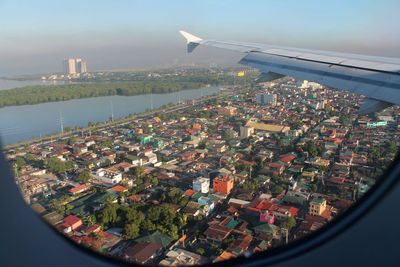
{"x": 189, "y": 192}
{"x": 71, "y": 220}
{"x": 259, "y": 205}
{"x": 252, "y": 163}
{"x": 119, "y": 188}
{"x": 242, "y": 242}
{"x": 123, "y": 165}
{"x": 343, "y": 203}
{"x": 335, "y": 180}
{"x": 142, "y": 252}
{"x": 287, "y": 158}
{"x": 218, "y": 231}
{"x": 78, "y": 188}
{"x": 93, "y": 228}
{"x": 274, "y": 165}
{"x": 135, "y": 198}
{"x": 226, "y": 221}
{"x": 232, "y": 209}
{"x": 146, "y": 185}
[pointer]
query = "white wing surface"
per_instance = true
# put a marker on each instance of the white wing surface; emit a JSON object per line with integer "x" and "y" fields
{"x": 378, "y": 78}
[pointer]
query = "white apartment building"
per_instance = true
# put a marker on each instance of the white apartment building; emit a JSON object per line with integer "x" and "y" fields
{"x": 201, "y": 184}
{"x": 107, "y": 176}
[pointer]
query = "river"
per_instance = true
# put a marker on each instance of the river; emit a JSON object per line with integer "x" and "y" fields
{"x": 22, "y": 123}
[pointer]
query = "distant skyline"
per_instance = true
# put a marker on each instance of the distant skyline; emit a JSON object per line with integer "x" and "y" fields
{"x": 36, "y": 36}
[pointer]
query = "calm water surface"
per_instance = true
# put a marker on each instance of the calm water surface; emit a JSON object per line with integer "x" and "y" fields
{"x": 21, "y": 123}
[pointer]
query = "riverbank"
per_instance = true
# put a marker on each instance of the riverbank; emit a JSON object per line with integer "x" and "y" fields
{"x": 22, "y": 123}
{"x": 53, "y": 93}
{"x": 125, "y": 120}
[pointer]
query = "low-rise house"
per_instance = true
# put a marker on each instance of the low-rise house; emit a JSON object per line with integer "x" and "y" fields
{"x": 143, "y": 252}
{"x": 117, "y": 189}
{"x": 240, "y": 245}
{"x": 70, "y": 223}
{"x": 274, "y": 167}
{"x": 195, "y": 209}
{"x": 78, "y": 189}
{"x": 181, "y": 257}
{"x": 217, "y": 233}
{"x": 266, "y": 228}
{"x": 318, "y": 207}
{"x": 188, "y": 155}
{"x": 80, "y": 148}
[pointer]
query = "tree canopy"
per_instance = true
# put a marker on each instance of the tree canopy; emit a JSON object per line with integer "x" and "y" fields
{"x": 51, "y": 93}
{"x": 84, "y": 177}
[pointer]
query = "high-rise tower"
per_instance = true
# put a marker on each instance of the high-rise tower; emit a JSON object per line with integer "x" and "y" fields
{"x": 74, "y": 65}
{"x": 69, "y": 66}
{"x": 80, "y": 65}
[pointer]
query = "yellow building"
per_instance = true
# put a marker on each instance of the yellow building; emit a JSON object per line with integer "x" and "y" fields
{"x": 267, "y": 127}
{"x": 317, "y": 206}
{"x": 329, "y": 108}
{"x": 246, "y": 132}
{"x": 227, "y": 111}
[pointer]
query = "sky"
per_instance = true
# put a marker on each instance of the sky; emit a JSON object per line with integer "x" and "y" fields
{"x": 37, "y": 35}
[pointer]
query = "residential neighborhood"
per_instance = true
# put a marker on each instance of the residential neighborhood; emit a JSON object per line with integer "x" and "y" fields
{"x": 241, "y": 173}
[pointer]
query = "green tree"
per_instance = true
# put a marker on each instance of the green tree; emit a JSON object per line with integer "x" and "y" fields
{"x": 20, "y": 162}
{"x": 67, "y": 129}
{"x": 200, "y": 251}
{"x": 288, "y": 223}
{"x": 69, "y": 165}
{"x": 154, "y": 181}
{"x": 148, "y": 225}
{"x": 71, "y": 140}
{"x": 323, "y": 168}
{"x": 312, "y": 148}
{"x": 297, "y": 124}
{"x": 134, "y": 216}
{"x": 313, "y": 188}
{"x": 251, "y": 185}
{"x": 29, "y": 158}
{"x": 131, "y": 231}
{"x": 391, "y": 147}
{"x": 68, "y": 208}
{"x": 140, "y": 171}
{"x": 277, "y": 189}
{"x": 89, "y": 220}
{"x": 84, "y": 177}
{"x": 107, "y": 216}
{"x": 55, "y": 165}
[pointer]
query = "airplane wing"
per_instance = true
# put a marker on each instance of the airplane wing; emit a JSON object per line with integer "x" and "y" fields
{"x": 378, "y": 78}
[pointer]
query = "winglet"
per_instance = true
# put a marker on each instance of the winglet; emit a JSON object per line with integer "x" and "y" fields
{"x": 191, "y": 40}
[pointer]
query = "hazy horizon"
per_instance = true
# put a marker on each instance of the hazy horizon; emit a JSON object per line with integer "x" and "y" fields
{"x": 37, "y": 36}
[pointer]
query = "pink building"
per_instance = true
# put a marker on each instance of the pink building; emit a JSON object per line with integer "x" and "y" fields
{"x": 267, "y": 216}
